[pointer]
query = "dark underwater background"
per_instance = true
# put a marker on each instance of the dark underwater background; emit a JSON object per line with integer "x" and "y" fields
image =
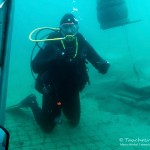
{"x": 115, "y": 108}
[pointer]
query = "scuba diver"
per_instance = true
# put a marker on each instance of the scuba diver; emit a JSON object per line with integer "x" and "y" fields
{"x": 62, "y": 74}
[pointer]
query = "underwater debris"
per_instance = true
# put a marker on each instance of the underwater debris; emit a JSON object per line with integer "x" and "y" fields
{"x": 133, "y": 93}
{"x": 136, "y": 72}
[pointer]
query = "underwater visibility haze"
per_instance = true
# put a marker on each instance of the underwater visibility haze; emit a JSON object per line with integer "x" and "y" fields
{"x": 114, "y": 106}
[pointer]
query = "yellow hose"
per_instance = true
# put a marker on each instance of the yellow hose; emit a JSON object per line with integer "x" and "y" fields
{"x": 44, "y": 40}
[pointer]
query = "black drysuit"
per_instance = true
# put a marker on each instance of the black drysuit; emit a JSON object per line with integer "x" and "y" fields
{"x": 61, "y": 69}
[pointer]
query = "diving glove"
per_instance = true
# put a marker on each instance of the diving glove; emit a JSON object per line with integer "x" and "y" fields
{"x": 103, "y": 67}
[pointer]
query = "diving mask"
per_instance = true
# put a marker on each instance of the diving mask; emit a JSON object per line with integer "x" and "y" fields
{"x": 69, "y": 29}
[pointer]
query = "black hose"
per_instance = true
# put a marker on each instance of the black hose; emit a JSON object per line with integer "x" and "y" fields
{"x": 36, "y": 45}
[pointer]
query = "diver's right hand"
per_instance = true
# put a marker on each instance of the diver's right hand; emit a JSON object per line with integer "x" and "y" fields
{"x": 69, "y": 53}
{"x": 59, "y": 55}
{"x": 65, "y": 56}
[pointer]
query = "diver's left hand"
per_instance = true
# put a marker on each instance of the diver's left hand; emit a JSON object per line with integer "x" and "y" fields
{"x": 103, "y": 67}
